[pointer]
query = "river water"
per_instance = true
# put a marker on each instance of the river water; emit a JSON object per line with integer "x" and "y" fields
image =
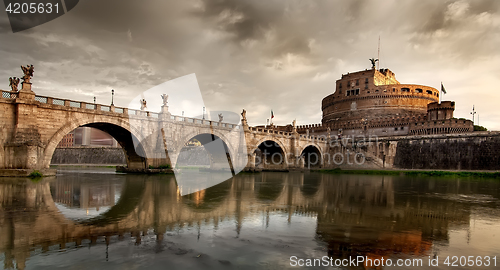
{"x": 97, "y": 219}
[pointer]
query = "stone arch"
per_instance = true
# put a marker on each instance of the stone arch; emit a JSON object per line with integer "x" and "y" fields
{"x": 119, "y": 129}
{"x": 269, "y": 138}
{"x": 277, "y": 158}
{"x": 228, "y": 146}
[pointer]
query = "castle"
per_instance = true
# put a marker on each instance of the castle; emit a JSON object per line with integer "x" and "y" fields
{"x": 373, "y": 102}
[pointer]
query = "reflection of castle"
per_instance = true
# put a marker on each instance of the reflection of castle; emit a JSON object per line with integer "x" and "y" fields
{"x": 367, "y": 217}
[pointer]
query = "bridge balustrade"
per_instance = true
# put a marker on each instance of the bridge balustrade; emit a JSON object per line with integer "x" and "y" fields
{"x": 75, "y": 104}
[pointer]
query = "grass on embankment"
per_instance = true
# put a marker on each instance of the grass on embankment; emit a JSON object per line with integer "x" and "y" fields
{"x": 416, "y": 173}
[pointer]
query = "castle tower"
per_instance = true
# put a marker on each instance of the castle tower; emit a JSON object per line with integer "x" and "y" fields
{"x": 443, "y": 111}
{"x": 374, "y": 94}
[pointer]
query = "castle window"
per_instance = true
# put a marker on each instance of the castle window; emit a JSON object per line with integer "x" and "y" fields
{"x": 340, "y": 85}
{"x": 418, "y": 90}
{"x": 395, "y": 129}
{"x": 366, "y": 80}
{"x": 357, "y": 82}
{"x": 405, "y": 89}
{"x": 429, "y": 92}
{"x": 366, "y": 86}
{"x": 393, "y": 89}
{"x": 357, "y": 91}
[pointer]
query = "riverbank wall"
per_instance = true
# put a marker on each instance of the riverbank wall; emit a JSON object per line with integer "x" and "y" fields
{"x": 469, "y": 151}
{"x": 88, "y": 155}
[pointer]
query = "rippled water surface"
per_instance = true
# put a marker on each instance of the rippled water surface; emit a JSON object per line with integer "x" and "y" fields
{"x": 84, "y": 219}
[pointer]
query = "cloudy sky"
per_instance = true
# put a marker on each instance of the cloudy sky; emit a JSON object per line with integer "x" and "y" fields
{"x": 283, "y": 55}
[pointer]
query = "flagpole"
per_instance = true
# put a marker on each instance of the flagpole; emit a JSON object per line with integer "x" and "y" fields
{"x": 440, "y": 92}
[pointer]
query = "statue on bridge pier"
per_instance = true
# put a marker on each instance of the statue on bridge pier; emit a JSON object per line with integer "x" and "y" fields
{"x": 221, "y": 117}
{"x": 28, "y": 71}
{"x": 165, "y": 99}
{"x": 143, "y": 104}
{"x": 244, "y": 117}
{"x": 14, "y": 83}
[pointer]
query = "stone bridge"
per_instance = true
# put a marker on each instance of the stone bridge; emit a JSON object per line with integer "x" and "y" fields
{"x": 32, "y": 126}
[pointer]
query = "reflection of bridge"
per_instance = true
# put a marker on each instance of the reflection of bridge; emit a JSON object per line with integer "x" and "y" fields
{"x": 33, "y": 125}
{"x": 362, "y": 207}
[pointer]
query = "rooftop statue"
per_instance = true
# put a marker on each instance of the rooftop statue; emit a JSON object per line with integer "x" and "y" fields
{"x": 373, "y": 60}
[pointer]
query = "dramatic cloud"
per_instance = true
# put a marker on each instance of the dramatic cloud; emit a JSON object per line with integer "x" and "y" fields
{"x": 283, "y": 55}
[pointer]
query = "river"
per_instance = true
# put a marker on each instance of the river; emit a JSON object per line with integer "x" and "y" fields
{"x": 98, "y": 219}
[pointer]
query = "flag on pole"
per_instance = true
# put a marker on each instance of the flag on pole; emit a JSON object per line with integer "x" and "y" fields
{"x": 272, "y": 114}
{"x": 442, "y": 88}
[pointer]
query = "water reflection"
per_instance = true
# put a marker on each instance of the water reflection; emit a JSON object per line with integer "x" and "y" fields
{"x": 80, "y": 196}
{"x": 250, "y": 221}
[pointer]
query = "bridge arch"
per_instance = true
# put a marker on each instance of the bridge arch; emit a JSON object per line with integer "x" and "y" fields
{"x": 218, "y": 153}
{"x": 313, "y": 156}
{"x": 121, "y": 130}
{"x": 271, "y": 154}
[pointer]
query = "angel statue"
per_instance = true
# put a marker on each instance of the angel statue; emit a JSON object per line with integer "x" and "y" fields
{"x": 373, "y": 60}
{"x": 221, "y": 117}
{"x": 244, "y": 114}
{"x": 143, "y": 104}
{"x": 28, "y": 73}
{"x": 14, "y": 83}
{"x": 165, "y": 99}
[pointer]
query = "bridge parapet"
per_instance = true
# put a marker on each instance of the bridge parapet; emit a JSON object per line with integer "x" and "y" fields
{"x": 9, "y": 94}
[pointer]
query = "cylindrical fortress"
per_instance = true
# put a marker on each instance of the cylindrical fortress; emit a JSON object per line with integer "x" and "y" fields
{"x": 372, "y": 94}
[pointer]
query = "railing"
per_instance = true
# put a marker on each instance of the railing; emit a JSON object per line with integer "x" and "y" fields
{"x": 9, "y": 94}
{"x": 75, "y": 104}
{"x": 118, "y": 110}
{"x": 41, "y": 99}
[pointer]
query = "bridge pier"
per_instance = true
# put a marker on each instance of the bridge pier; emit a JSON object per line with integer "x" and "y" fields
{"x": 23, "y": 150}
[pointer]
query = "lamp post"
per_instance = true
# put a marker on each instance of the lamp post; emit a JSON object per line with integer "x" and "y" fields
{"x": 112, "y": 96}
{"x": 203, "y": 113}
{"x": 473, "y": 114}
{"x": 94, "y": 100}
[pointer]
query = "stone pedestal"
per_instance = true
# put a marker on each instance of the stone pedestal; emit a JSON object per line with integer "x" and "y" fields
{"x": 164, "y": 109}
{"x": 26, "y": 93}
